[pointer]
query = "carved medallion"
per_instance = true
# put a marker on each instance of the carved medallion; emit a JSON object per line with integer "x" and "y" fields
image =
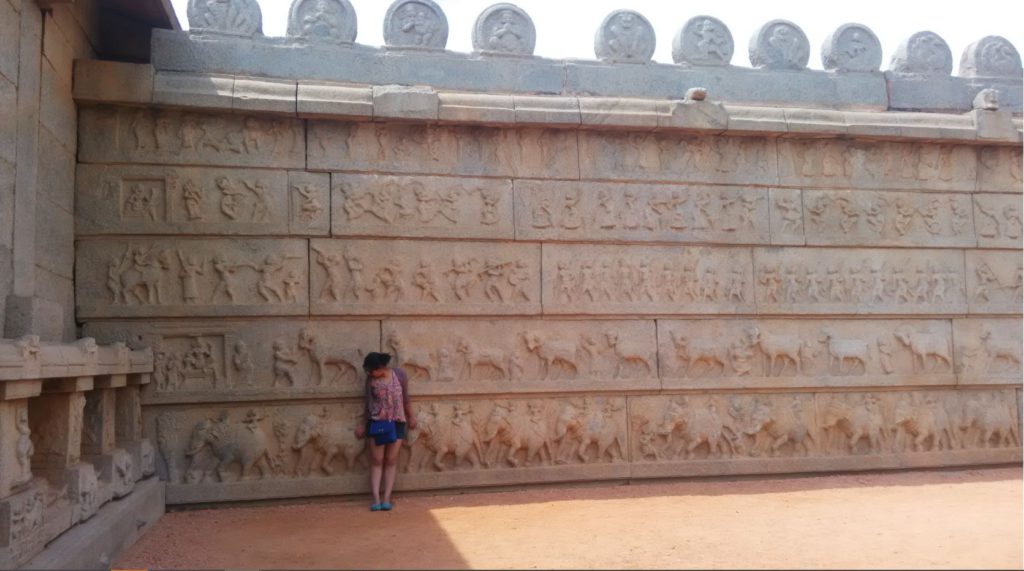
{"x": 230, "y": 17}
{"x": 924, "y": 53}
{"x": 852, "y": 47}
{"x": 703, "y": 40}
{"x": 624, "y": 36}
{"x": 415, "y": 24}
{"x": 991, "y": 56}
{"x": 504, "y": 29}
{"x": 779, "y": 44}
{"x": 326, "y": 21}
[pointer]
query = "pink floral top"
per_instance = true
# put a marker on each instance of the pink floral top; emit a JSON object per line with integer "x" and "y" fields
{"x": 387, "y": 396}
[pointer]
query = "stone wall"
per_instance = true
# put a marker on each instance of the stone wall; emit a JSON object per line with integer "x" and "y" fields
{"x": 592, "y": 286}
{"x": 38, "y": 130}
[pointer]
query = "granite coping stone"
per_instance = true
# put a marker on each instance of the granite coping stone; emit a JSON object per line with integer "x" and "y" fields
{"x": 29, "y": 358}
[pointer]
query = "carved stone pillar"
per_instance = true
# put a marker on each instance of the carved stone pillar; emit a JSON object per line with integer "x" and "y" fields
{"x": 114, "y": 466}
{"x": 128, "y": 426}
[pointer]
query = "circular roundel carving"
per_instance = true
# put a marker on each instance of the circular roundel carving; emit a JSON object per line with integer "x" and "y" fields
{"x": 504, "y": 29}
{"x": 233, "y": 17}
{"x": 852, "y": 47}
{"x": 703, "y": 40}
{"x": 991, "y": 56}
{"x": 923, "y": 53}
{"x": 328, "y": 21}
{"x": 625, "y": 36}
{"x": 415, "y": 24}
{"x": 779, "y": 44}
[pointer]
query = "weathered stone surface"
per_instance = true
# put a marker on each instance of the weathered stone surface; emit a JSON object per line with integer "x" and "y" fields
{"x": 327, "y": 21}
{"x": 415, "y": 24}
{"x": 781, "y": 353}
{"x": 421, "y": 206}
{"x": 310, "y": 203}
{"x": 504, "y": 29}
{"x": 925, "y": 54}
{"x": 859, "y": 281}
{"x": 431, "y": 149}
{"x": 271, "y": 96}
{"x": 991, "y": 56}
{"x": 603, "y": 212}
{"x": 476, "y": 108}
{"x": 318, "y": 100}
{"x": 624, "y": 36}
{"x": 944, "y": 94}
{"x": 179, "y": 200}
{"x": 988, "y": 351}
{"x": 230, "y": 17}
{"x": 380, "y": 277}
{"x": 997, "y": 219}
{"x": 779, "y": 44}
{"x": 672, "y": 157}
{"x": 994, "y": 281}
{"x": 885, "y": 218}
{"x": 16, "y": 448}
{"x": 21, "y": 525}
{"x": 999, "y": 169}
{"x": 204, "y": 91}
{"x": 855, "y": 164}
{"x": 463, "y": 357}
{"x": 151, "y": 278}
{"x": 703, "y": 40}
{"x": 119, "y": 135}
{"x": 234, "y": 361}
{"x": 852, "y": 47}
{"x": 786, "y": 216}
{"x": 401, "y": 102}
{"x": 658, "y": 280}
{"x": 112, "y": 82}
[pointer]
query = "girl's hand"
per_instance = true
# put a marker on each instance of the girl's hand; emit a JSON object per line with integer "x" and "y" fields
{"x": 412, "y": 423}
{"x": 360, "y": 431}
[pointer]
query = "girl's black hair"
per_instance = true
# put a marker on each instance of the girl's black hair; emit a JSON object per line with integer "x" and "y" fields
{"x": 374, "y": 361}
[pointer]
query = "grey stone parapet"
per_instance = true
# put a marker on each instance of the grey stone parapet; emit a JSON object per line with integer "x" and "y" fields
{"x": 102, "y": 82}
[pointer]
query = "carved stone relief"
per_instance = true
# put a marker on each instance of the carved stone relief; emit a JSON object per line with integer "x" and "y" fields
{"x": 779, "y": 44}
{"x": 671, "y": 157}
{"x": 988, "y": 351}
{"x": 376, "y": 277}
{"x": 991, "y": 56}
{"x": 434, "y": 149}
{"x": 845, "y": 217}
{"x": 309, "y": 196}
{"x": 804, "y": 353}
{"x": 786, "y": 215}
{"x": 859, "y": 281}
{"x": 999, "y": 169}
{"x": 190, "y": 277}
{"x": 22, "y": 521}
{"x": 421, "y": 206}
{"x": 236, "y": 360}
{"x": 648, "y": 280}
{"x": 995, "y": 281}
{"x": 504, "y": 29}
{"x": 592, "y": 211}
{"x": 322, "y": 21}
{"x": 703, "y": 40}
{"x": 624, "y": 36}
{"x": 228, "y": 17}
{"x": 847, "y": 164}
{"x": 852, "y": 47}
{"x": 521, "y": 355}
{"x": 997, "y": 220}
{"x": 924, "y": 53}
{"x": 124, "y": 135}
{"x": 419, "y": 24}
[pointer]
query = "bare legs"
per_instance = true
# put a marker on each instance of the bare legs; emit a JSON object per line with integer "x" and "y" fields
{"x": 383, "y": 465}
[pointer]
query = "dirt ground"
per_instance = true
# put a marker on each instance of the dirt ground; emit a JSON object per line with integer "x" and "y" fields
{"x": 921, "y": 519}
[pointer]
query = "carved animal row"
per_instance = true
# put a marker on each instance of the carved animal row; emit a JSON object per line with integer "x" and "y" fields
{"x": 621, "y": 280}
{"x": 859, "y": 283}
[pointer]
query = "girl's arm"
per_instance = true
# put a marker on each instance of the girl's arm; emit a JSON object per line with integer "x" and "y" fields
{"x": 410, "y": 415}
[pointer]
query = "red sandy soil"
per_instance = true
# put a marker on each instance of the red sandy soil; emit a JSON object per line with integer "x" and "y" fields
{"x": 921, "y": 519}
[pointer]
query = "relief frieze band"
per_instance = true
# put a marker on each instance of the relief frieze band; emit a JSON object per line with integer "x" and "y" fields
{"x": 995, "y": 281}
{"x": 988, "y": 351}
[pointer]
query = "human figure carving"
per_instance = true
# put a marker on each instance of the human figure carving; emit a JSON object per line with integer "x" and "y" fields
{"x": 193, "y": 194}
{"x": 332, "y": 265}
{"x": 191, "y": 267}
{"x": 506, "y": 34}
{"x": 285, "y": 363}
{"x": 241, "y": 362}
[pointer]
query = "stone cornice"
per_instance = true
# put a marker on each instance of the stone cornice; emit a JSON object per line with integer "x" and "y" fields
{"x": 27, "y": 358}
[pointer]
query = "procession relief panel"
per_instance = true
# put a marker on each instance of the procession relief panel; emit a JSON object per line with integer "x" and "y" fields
{"x": 777, "y": 432}
{"x": 777, "y": 353}
{"x": 877, "y": 164}
{"x": 445, "y": 357}
{"x": 647, "y": 280}
{"x": 309, "y": 196}
{"x": 995, "y": 281}
{"x": 594, "y": 211}
{"x": 786, "y": 213}
{"x": 421, "y": 206}
{"x": 997, "y": 220}
{"x": 227, "y": 360}
{"x": 446, "y": 150}
{"x": 886, "y": 218}
{"x": 674, "y": 157}
{"x": 234, "y": 452}
{"x": 999, "y": 169}
{"x": 140, "y": 277}
{"x": 988, "y": 351}
{"x": 169, "y": 200}
{"x": 163, "y": 136}
{"x": 859, "y": 281}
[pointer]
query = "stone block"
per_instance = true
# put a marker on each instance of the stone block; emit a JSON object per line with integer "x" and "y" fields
{"x": 479, "y": 108}
{"x": 115, "y": 471}
{"x": 816, "y": 122}
{"x": 786, "y": 216}
{"x": 57, "y": 49}
{"x": 84, "y": 492}
{"x": 8, "y": 124}
{"x": 513, "y": 356}
{"x": 988, "y": 351}
{"x": 997, "y": 219}
{"x": 9, "y": 40}
{"x": 199, "y": 90}
{"x": 995, "y": 125}
{"x": 549, "y": 111}
{"x": 309, "y": 196}
{"x": 191, "y": 277}
{"x": 16, "y": 446}
{"x": 401, "y": 102}
{"x": 757, "y": 120}
{"x": 57, "y": 111}
{"x": 180, "y": 200}
{"x": 858, "y": 281}
{"x": 999, "y": 169}
{"x": 646, "y": 280}
{"x": 33, "y": 316}
{"x": 265, "y": 95}
{"x": 871, "y": 124}
{"x": 55, "y": 240}
{"x": 122, "y": 135}
{"x": 616, "y": 212}
{"x": 873, "y": 164}
{"x": 675, "y": 157}
{"x": 127, "y": 415}
{"x": 335, "y": 101}
{"x": 98, "y": 81}
{"x": 56, "y": 176}
{"x": 619, "y": 112}
{"x": 694, "y": 114}
{"x": 21, "y": 525}
{"x": 238, "y": 361}
{"x": 380, "y": 277}
{"x": 994, "y": 281}
{"x": 887, "y": 218}
{"x": 421, "y": 206}
{"x": 947, "y": 94}
{"x": 57, "y": 420}
{"x": 446, "y": 150}
{"x": 59, "y": 290}
{"x": 778, "y": 353}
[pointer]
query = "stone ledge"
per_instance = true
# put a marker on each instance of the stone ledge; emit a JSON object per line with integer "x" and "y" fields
{"x": 27, "y": 358}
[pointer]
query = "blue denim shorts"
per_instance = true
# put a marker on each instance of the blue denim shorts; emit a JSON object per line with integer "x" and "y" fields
{"x": 399, "y": 430}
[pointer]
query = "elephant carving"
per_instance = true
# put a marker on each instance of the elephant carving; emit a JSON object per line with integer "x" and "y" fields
{"x": 326, "y": 440}
{"x": 245, "y": 443}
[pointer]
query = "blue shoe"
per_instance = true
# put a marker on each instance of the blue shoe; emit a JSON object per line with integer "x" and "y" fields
{"x": 378, "y": 507}
{"x": 386, "y": 506}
